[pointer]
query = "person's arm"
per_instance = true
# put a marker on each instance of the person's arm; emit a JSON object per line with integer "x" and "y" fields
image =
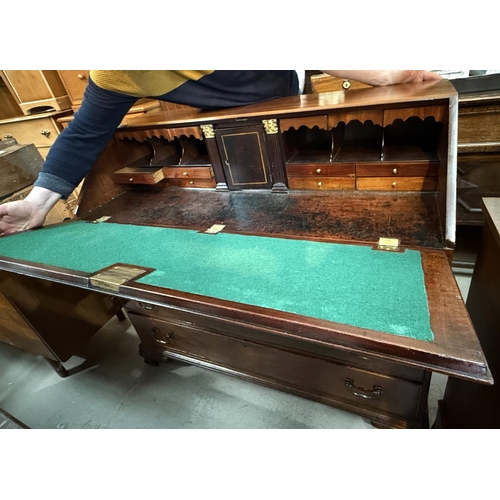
{"x": 70, "y": 158}
{"x": 379, "y": 77}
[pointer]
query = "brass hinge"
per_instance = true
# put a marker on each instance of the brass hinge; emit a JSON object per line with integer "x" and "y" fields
{"x": 113, "y": 277}
{"x": 388, "y": 244}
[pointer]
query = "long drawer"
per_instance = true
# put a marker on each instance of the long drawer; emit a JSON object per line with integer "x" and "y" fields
{"x": 246, "y": 331}
{"x": 351, "y": 388}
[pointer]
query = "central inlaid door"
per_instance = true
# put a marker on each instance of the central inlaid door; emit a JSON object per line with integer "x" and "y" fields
{"x": 244, "y": 157}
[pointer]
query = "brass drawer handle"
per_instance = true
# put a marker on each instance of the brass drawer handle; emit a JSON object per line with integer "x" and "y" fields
{"x": 184, "y": 173}
{"x": 393, "y": 184}
{"x": 7, "y": 136}
{"x": 80, "y": 76}
{"x": 45, "y": 132}
{"x": 318, "y": 171}
{"x": 320, "y": 184}
{"x": 395, "y": 171}
{"x": 160, "y": 336}
{"x": 361, "y": 392}
{"x": 146, "y": 306}
{"x": 346, "y": 84}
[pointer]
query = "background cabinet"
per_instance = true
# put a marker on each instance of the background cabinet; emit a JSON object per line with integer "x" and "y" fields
{"x": 37, "y": 90}
{"x": 75, "y": 81}
{"x": 40, "y": 130}
{"x": 31, "y": 101}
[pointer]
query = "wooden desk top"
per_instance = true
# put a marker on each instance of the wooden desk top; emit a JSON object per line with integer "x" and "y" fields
{"x": 303, "y": 104}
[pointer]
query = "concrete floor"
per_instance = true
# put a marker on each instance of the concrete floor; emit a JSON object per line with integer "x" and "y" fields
{"x": 119, "y": 391}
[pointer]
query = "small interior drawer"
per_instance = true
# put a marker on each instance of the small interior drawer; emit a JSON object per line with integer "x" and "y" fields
{"x": 321, "y": 183}
{"x": 321, "y": 169}
{"x": 187, "y": 173}
{"x": 396, "y": 184}
{"x": 397, "y": 169}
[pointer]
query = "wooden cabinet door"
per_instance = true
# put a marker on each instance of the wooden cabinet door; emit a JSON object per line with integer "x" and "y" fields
{"x": 75, "y": 82}
{"x": 37, "y": 90}
{"x": 244, "y": 157}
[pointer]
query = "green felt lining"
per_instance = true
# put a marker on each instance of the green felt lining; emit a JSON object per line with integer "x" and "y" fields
{"x": 348, "y": 284}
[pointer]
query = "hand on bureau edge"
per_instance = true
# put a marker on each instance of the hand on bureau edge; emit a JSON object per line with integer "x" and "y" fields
{"x": 29, "y": 213}
{"x": 379, "y": 77}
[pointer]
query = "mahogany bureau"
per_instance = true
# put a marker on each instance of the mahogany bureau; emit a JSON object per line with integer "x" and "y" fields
{"x": 284, "y": 188}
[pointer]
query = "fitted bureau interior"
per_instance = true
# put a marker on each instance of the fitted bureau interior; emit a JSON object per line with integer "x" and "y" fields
{"x": 383, "y": 174}
{"x": 364, "y": 153}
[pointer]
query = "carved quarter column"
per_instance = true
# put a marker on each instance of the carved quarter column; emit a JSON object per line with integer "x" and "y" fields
{"x": 276, "y": 155}
{"x": 214, "y": 156}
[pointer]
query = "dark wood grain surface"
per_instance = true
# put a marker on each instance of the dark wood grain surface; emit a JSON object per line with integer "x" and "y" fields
{"x": 411, "y": 217}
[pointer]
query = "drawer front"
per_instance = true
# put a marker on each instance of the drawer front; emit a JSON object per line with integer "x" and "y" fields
{"x": 190, "y": 183}
{"x": 290, "y": 370}
{"x": 44, "y": 151}
{"x": 321, "y": 183}
{"x": 318, "y": 169}
{"x": 188, "y": 173}
{"x": 243, "y": 331}
{"x": 75, "y": 82}
{"x": 399, "y": 184}
{"x": 40, "y": 132}
{"x": 395, "y": 169}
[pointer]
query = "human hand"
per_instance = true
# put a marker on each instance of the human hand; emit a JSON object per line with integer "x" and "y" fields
{"x": 29, "y": 213}
{"x": 409, "y": 75}
{"x": 19, "y": 216}
{"x": 381, "y": 77}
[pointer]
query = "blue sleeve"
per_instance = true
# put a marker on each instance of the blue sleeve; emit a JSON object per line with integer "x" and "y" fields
{"x": 76, "y": 149}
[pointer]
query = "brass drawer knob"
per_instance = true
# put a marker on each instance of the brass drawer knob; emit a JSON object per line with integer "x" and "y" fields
{"x": 45, "y": 132}
{"x": 80, "y": 76}
{"x": 393, "y": 184}
{"x": 191, "y": 182}
{"x": 346, "y": 84}
{"x": 318, "y": 171}
{"x": 395, "y": 171}
{"x": 319, "y": 184}
{"x": 184, "y": 173}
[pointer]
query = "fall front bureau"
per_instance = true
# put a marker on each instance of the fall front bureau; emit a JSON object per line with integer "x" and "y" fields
{"x": 372, "y": 174}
